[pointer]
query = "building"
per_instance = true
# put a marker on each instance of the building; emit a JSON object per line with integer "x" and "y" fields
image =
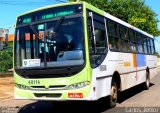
{"x": 10, "y": 38}
{"x": 3, "y": 35}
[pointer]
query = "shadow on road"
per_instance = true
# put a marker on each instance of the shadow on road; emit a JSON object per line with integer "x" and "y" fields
{"x": 78, "y": 107}
{"x": 64, "y": 107}
{"x": 131, "y": 92}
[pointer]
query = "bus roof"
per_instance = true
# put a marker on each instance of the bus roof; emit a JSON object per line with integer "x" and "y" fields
{"x": 93, "y": 7}
{"x": 50, "y": 6}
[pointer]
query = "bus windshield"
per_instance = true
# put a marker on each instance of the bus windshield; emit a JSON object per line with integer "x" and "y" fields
{"x": 50, "y": 44}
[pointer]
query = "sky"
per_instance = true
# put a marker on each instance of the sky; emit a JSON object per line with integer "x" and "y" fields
{"x": 10, "y": 9}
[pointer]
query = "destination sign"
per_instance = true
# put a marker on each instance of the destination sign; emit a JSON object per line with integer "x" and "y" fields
{"x": 50, "y": 13}
{"x": 56, "y": 14}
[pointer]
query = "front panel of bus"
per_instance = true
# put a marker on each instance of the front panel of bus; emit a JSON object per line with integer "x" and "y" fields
{"x": 50, "y": 59}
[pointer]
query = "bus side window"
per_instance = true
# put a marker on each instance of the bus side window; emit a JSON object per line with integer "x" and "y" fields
{"x": 152, "y": 46}
{"x": 124, "y": 39}
{"x": 114, "y": 39}
{"x": 140, "y": 43}
{"x": 132, "y": 40}
{"x": 148, "y": 43}
{"x": 145, "y": 45}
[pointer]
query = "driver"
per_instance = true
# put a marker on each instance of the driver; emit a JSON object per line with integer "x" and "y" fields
{"x": 60, "y": 42}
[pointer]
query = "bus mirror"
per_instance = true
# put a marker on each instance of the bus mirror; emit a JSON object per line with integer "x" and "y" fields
{"x": 93, "y": 32}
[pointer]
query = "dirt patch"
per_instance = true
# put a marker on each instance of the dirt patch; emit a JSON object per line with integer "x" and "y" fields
{"x": 7, "y": 93}
{"x": 6, "y": 88}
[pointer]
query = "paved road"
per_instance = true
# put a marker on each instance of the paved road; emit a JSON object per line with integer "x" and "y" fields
{"x": 134, "y": 100}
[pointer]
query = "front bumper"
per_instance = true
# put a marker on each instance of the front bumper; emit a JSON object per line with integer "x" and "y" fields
{"x": 59, "y": 95}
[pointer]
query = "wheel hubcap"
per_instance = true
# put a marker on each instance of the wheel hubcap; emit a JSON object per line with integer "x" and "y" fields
{"x": 147, "y": 82}
{"x": 114, "y": 93}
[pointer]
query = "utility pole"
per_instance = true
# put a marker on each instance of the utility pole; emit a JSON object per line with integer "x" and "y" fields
{"x": 6, "y": 39}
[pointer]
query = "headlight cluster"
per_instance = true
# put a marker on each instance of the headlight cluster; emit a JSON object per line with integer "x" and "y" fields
{"x": 20, "y": 86}
{"x": 78, "y": 85}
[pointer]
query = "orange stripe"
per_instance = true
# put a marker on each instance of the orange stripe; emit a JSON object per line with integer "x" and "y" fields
{"x": 134, "y": 60}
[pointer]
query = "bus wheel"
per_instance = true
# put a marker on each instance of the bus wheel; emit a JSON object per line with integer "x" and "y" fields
{"x": 147, "y": 82}
{"x": 113, "y": 96}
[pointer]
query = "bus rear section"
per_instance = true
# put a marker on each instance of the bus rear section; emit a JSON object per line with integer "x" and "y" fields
{"x": 121, "y": 55}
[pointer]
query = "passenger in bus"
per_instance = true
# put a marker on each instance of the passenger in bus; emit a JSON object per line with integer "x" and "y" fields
{"x": 52, "y": 54}
{"x": 110, "y": 46}
{"x": 41, "y": 56}
{"x": 71, "y": 45}
{"x": 61, "y": 42}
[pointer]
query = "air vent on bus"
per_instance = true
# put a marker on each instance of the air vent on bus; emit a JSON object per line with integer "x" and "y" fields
{"x": 52, "y": 95}
{"x": 50, "y": 87}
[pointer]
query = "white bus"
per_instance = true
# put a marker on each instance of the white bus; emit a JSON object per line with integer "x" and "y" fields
{"x": 105, "y": 55}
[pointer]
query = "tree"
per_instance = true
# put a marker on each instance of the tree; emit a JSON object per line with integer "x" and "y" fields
{"x": 135, "y": 12}
{"x": 5, "y": 61}
{"x": 6, "y": 58}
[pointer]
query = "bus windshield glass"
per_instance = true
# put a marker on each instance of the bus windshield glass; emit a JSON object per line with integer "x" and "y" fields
{"x": 50, "y": 44}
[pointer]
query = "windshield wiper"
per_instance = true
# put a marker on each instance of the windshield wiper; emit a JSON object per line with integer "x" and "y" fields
{"x": 37, "y": 35}
{"x": 60, "y": 21}
{"x": 33, "y": 29}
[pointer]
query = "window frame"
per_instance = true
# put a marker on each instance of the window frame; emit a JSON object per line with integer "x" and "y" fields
{"x": 98, "y": 19}
{"x": 115, "y": 37}
{"x": 133, "y": 41}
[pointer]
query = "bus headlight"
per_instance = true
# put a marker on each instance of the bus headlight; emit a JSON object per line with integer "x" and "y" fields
{"x": 78, "y": 85}
{"x": 20, "y": 86}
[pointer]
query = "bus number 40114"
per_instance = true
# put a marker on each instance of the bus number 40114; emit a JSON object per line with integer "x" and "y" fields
{"x": 33, "y": 82}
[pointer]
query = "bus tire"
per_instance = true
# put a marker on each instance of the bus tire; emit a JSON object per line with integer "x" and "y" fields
{"x": 114, "y": 95}
{"x": 147, "y": 82}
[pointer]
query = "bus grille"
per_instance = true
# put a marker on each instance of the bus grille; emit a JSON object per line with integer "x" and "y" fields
{"x": 52, "y": 95}
{"x": 57, "y": 87}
